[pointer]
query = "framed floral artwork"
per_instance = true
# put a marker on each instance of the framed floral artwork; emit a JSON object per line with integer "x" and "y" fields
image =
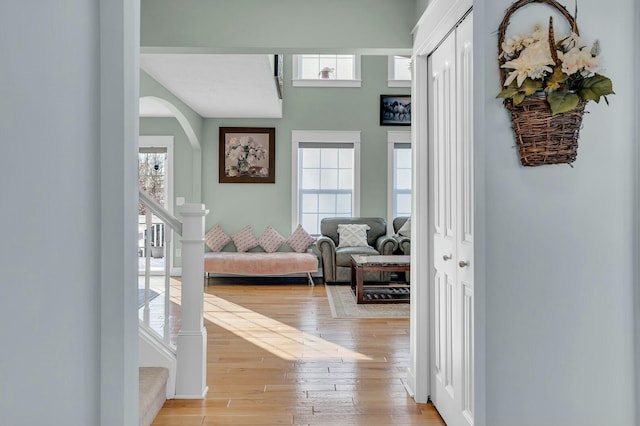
{"x": 247, "y": 155}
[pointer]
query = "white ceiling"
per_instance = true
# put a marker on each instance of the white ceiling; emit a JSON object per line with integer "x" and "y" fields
{"x": 219, "y": 86}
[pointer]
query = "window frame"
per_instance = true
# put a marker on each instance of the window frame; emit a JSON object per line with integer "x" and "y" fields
{"x": 296, "y": 81}
{"x": 394, "y": 137}
{"x": 391, "y": 74}
{"x": 328, "y": 137}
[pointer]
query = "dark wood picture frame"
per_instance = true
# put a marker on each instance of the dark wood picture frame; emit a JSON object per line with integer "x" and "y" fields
{"x": 247, "y": 155}
{"x": 395, "y": 110}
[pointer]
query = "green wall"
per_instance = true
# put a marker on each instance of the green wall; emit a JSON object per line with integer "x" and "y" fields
{"x": 421, "y": 6}
{"x": 283, "y": 26}
{"x": 304, "y": 108}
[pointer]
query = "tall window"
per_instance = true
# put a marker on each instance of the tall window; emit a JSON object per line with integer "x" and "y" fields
{"x": 326, "y": 70}
{"x": 399, "y": 175}
{"x": 399, "y": 71}
{"x": 401, "y": 179}
{"x": 326, "y": 171}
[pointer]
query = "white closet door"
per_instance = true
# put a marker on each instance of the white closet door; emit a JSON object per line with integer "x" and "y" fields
{"x": 452, "y": 203}
{"x": 443, "y": 290}
{"x": 464, "y": 244}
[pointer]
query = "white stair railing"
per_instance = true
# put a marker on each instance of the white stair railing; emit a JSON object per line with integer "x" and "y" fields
{"x": 191, "y": 345}
{"x": 159, "y": 228}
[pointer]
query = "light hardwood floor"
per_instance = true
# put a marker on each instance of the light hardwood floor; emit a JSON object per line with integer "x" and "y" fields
{"x": 276, "y": 357}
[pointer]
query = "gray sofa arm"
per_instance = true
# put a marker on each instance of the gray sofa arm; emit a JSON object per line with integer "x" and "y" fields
{"x": 386, "y": 245}
{"x": 327, "y": 249}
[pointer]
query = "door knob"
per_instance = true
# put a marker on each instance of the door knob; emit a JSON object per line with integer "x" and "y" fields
{"x": 462, "y": 263}
{"x": 445, "y": 257}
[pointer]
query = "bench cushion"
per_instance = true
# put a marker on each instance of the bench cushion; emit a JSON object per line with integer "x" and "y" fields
{"x": 260, "y": 263}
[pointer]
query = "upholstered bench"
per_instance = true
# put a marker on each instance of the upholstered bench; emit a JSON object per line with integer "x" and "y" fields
{"x": 261, "y": 263}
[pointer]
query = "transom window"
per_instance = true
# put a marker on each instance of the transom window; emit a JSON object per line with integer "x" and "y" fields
{"x": 326, "y": 70}
{"x": 399, "y": 71}
{"x": 326, "y": 183}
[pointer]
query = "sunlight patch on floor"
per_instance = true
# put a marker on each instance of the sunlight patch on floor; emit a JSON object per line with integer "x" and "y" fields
{"x": 280, "y": 339}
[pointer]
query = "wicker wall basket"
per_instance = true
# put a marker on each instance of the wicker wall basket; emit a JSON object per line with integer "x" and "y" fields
{"x": 541, "y": 137}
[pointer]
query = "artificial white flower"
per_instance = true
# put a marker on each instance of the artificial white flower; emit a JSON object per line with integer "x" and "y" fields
{"x": 578, "y": 60}
{"x": 570, "y": 42}
{"x": 533, "y": 62}
{"x": 511, "y": 46}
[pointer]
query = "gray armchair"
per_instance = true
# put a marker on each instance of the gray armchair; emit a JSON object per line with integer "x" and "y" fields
{"x": 336, "y": 262}
{"x": 404, "y": 241}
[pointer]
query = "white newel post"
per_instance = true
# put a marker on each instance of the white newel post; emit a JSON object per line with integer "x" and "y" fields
{"x": 192, "y": 338}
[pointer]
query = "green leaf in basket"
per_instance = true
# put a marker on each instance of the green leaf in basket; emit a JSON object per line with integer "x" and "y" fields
{"x": 592, "y": 88}
{"x": 529, "y": 87}
{"x": 562, "y": 101}
{"x": 555, "y": 79}
{"x": 508, "y": 92}
{"x": 518, "y": 98}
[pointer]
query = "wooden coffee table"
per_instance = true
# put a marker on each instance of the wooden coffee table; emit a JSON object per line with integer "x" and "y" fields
{"x": 369, "y": 292}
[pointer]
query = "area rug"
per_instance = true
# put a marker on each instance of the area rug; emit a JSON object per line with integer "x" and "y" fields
{"x": 152, "y": 295}
{"x": 343, "y": 305}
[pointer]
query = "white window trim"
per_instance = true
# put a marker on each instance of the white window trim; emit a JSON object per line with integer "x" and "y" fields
{"x": 324, "y": 136}
{"x": 298, "y": 82}
{"x": 391, "y": 71}
{"x": 393, "y": 137}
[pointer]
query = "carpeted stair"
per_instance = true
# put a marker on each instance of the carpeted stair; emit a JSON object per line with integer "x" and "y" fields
{"x": 153, "y": 392}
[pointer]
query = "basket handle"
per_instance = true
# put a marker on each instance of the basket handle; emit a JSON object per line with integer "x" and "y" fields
{"x": 505, "y": 23}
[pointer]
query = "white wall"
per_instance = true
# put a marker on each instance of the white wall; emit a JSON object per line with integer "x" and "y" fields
{"x": 58, "y": 292}
{"x": 555, "y": 302}
{"x": 50, "y": 306}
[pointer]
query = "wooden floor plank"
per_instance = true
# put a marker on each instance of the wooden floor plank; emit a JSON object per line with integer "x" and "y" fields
{"x": 276, "y": 356}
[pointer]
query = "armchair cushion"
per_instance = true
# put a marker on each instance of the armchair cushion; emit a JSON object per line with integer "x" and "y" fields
{"x": 343, "y": 255}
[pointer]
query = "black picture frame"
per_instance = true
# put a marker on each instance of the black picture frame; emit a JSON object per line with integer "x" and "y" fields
{"x": 395, "y": 110}
{"x": 247, "y": 155}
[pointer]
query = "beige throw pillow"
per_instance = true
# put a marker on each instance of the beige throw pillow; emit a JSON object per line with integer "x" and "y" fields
{"x": 244, "y": 239}
{"x": 352, "y": 235}
{"x": 216, "y": 238}
{"x": 300, "y": 240}
{"x": 405, "y": 230}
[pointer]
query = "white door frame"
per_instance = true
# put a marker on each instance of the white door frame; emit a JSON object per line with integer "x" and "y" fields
{"x": 438, "y": 20}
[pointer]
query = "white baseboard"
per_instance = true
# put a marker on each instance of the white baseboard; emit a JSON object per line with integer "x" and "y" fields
{"x": 206, "y": 389}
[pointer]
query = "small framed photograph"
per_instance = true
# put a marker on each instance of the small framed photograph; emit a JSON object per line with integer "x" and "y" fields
{"x": 395, "y": 110}
{"x": 247, "y": 155}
